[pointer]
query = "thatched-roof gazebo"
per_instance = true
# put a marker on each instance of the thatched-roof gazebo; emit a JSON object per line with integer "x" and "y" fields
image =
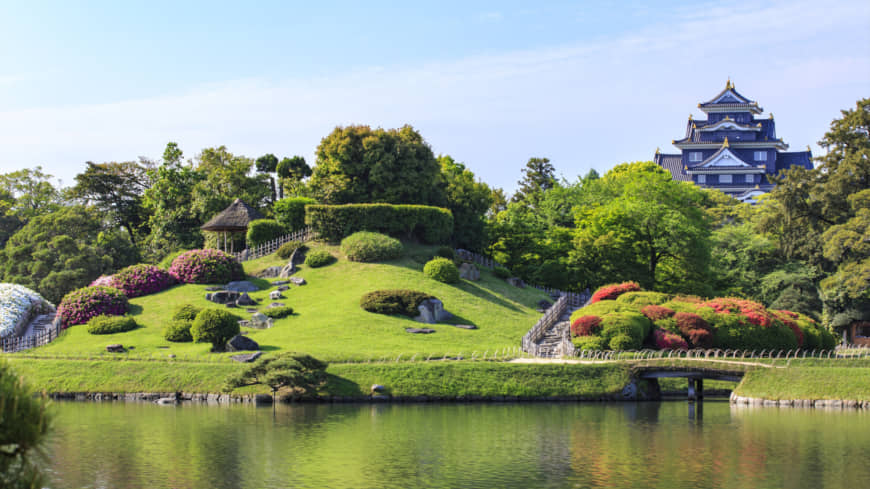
{"x": 233, "y": 219}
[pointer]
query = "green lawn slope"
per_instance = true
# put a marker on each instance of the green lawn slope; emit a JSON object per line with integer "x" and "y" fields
{"x": 328, "y": 322}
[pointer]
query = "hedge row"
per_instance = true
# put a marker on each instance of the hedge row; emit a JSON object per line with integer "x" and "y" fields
{"x": 334, "y": 222}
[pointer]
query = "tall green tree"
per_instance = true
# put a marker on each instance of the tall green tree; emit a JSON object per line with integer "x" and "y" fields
{"x": 117, "y": 189}
{"x": 539, "y": 176}
{"x": 224, "y": 178}
{"x": 30, "y": 193}
{"x": 468, "y": 199}
{"x": 268, "y": 164}
{"x": 291, "y": 173}
{"x": 358, "y": 164}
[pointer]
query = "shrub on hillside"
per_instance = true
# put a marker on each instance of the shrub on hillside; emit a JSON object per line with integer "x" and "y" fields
{"x": 665, "y": 340}
{"x": 263, "y": 230}
{"x": 80, "y": 305}
{"x": 643, "y": 298}
{"x": 178, "y": 331}
{"x": 632, "y": 324}
{"x": 186, "y": 312}
{"x": 139, "y": 280}
{"x": 695, "y": 329}
{"x": 586, "y": 326}
{"x": 318, "y": 258}
{"x": 612, "y": 291}
{"x": 278, "y": 312}
{"x": 366, "y": 246}
{"x": 400, "y": 301}
{"x": 167, "y": 260}
{"x": 446, "y": 252}
{"x": 588, "y": 343}
{"x": 432, "y": 225}
{"x": 442, "y": 270}
{"x": 623, "y": 342}
{"x": 654, "y": 312}
{"x": 206, "y": 267}
{"x": 754, "y": 312}
{"x": 601, "y": 309}
{"x": 501, "y": 272}
{"x": 287, "y": 249}
{"x": 110, "y": 324}
{"x": 290, "y": 211}
{"x": 215, "y": 326}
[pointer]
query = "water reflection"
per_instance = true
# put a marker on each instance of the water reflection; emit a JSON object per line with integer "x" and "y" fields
{"x": 464, "y": 445}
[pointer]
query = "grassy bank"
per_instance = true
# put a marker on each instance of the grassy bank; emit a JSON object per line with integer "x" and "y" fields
{"x": 844, "y": 383}
{"x": 434, "y": 379}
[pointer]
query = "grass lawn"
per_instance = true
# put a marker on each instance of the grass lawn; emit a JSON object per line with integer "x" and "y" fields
{"x": 328, "y": 322}
{"x": 831, "y": 382}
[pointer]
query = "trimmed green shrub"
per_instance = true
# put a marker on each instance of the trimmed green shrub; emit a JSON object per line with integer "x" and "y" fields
{"x": 588, "y": 343}
{"x": 446, "y": 252}
{"x": 442, "y": 270}
{"x": 318, "y": 258}
{"x": 263, "y": 230}
{"x": 215, "y": 326}
{"x": 501, "y": 272}
{"x": 287, "y": 249}
{"x": 624, "y": 342}
{"x": 186, "y": 312}
{"x": 290, "y": 212}
{"x": 278, "y": 312}
{"x": 178, "y": 331}
{"x": 601, "y": 309}
{"x": 111, "y": 324}
{"x": 643, "y": 298}
{"x": 633, "y": 324}
{"x": 333, "y": 222}
{"x": 366, "y": 246}
{"x": 400, "y": 301}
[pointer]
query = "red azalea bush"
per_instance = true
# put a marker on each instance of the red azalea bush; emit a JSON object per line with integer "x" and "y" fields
{"x": 612, "y": 291}
{"x": 138, "y": 280}
{"x": 788, "y": 318}
{"x": 654, "y": 313}
{"x": 205, "y": 267}
{"x": 665, "y": 340}
{"x": 80, "y": 305}
{"x": 754, "y": 312}
{"x": 586, "y": 326}
{"x": 695, "y": 329}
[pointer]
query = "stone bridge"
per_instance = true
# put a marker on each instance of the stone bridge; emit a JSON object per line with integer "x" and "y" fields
{"x": 695, "y": 374}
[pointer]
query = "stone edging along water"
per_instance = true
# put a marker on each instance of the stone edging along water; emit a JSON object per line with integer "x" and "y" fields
{"x": 801, "y": 403}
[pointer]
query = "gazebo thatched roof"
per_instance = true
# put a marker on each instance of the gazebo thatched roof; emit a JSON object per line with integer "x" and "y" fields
{"x": 236, "y": 218}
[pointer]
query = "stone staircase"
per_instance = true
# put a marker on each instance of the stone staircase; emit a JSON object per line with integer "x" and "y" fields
{"x": 549, "y": 343}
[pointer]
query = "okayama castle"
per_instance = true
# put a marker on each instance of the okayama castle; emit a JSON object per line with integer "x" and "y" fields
{"x": 732, "y": 150}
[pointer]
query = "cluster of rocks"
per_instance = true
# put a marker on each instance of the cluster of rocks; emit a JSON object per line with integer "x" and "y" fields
{"x": 469, "y": 271}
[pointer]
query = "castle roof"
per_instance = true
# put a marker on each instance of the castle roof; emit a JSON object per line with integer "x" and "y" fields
{"x": 673, "y": 164}
{"x": 730, "y": 100}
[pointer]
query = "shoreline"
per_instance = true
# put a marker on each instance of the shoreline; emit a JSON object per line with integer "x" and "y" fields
{"x": 799, "y": 403}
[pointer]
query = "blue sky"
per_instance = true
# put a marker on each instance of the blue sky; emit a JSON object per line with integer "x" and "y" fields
{"x": 586, "y": 84}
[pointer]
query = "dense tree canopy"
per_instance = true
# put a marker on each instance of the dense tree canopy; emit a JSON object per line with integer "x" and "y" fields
{"x": 116, "y": 189}
{"x": 468, "y": 199}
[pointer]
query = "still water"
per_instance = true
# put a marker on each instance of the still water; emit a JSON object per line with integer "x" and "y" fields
{"x": 117, "y": 445}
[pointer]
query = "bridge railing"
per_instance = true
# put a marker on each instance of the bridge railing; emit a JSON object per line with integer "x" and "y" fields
{"x": 844, "y": 355}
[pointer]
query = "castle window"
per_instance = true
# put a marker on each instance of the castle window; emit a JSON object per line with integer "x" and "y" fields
{"x": 695, "y": 156}
{"x": 761, "y": 156}
{"x": 724, "y": 178}
{"x": 749, "y": 179}
{"x": 702, "y": 178}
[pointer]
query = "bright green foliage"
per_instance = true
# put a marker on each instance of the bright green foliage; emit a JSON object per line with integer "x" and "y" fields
{"x": 226, "y": 178}
{"x": 178, "y": 331}
{"x": 365, "y": 246}
{"x": 442, "y": 270}
{"x": 357, "y": 164}
{"x": 23, "y": 431}
{"x": 116, "y": 189}
{"x": 301, "y": 373}
{"x": 539, "y": 176}
{"x": 404, "y": 302}
{"x": 291, "y": 172}
{"x": 468, "y": 200}
{"x": 632, "y": 324}
{"x": 740, "y": 257}
{"x": 214, "y": 326}
{"x": 792, "y": 287}
{"x": 30, "y": 193}
{"x": 64, "y": 250}
{"x": 186, "y": 312}
{"x": 263, "y": 230}
{"x": 641, "y": 225}
{"x": 587, "y": 343}
{"x": 278, "y": 312}
{"x": 287, "y": 249}
{"x": 319, "y": 258}
{"x": 268, "y": 163}
{"x": 333, "y": 222}
{"x": 290, "y": 212}
{"x": 111, "y": 324}
{"x": 623, "y": 342}
{"x": 644, "y": 298}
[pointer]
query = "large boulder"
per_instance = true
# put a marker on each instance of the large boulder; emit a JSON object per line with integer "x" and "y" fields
{"x": 287, "y": 270}
{"x": 298, "y": 280}
{"x": 116, "y": 348}
{"x": 275, "y": 294}
{"x": 242, "y": 343}
{"x": 432, "y": 311}
{"x": 247, "y": 357}
{"x": 260, "y": 321}
{"x": 222, "y": 297}
{"x": 469, "y": 272}
{"x": 271, "y": 272}
{"x": 245, "y": 300}
{"x": 241, "y": 286}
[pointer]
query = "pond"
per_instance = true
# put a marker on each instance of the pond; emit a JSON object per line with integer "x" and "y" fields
{"x": 524, "y": 445}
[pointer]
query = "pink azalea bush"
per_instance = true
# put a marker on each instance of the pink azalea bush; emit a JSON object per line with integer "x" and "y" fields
{"x": 103, "y": 281}
{"x": 205, "y": 267}
{"x": 80, "y": 305}
{"x": 138, "y": 280}
{"x": 665, "y": 340}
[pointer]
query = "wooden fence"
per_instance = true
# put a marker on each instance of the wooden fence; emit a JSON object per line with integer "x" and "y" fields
{"x": 269, "y": 247}
{"x": 551, "y": 316}
{"x": 13, "y": 344}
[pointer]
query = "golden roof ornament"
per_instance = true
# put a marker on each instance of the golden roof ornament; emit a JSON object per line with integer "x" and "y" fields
{"x": 808, "y": 149}
{"x": 729, "y": 85}
{"x": 658, "y": 151}
{"x": 771, "y": 116}
{"x": 725, "y": 143}
{"x": 690, "y": 116}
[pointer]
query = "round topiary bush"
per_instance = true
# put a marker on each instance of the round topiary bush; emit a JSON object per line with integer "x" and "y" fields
{"x": 318, "y": 258}
{"x": 206, "y": 267}
{"x": 446, "y": 252}
{"x": 586, "y": 325}
{"x": 80, "y": 305}
{"x": 178, "y": 331}
{"x": 501, "y": 272}
{"x": 612, "y": 291}
{"x": 654, "y": 313}
{"x": 186, "y": 312}
{"x": 404, "y": 302}
{"x": 278, "y": 312}
{"x": 665, "y": 340}
{"x": 695, "y": 329}
{"x": 622, "y": 342}
{"x": 442, "y": 270}
{"x": 215, "y": 326}
{"x": 588, "y": 343}
{"x": 287, "y": 249}
{"x": 139, "y": 280}
{"x": 643, "y": 298}
{"x": 263, "y": 230}
{"x": 366, "y": 246}
{"x": 111, "y": 324}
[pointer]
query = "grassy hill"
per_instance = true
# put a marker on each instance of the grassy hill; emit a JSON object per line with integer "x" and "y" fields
{"x": 328, "y": 321}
